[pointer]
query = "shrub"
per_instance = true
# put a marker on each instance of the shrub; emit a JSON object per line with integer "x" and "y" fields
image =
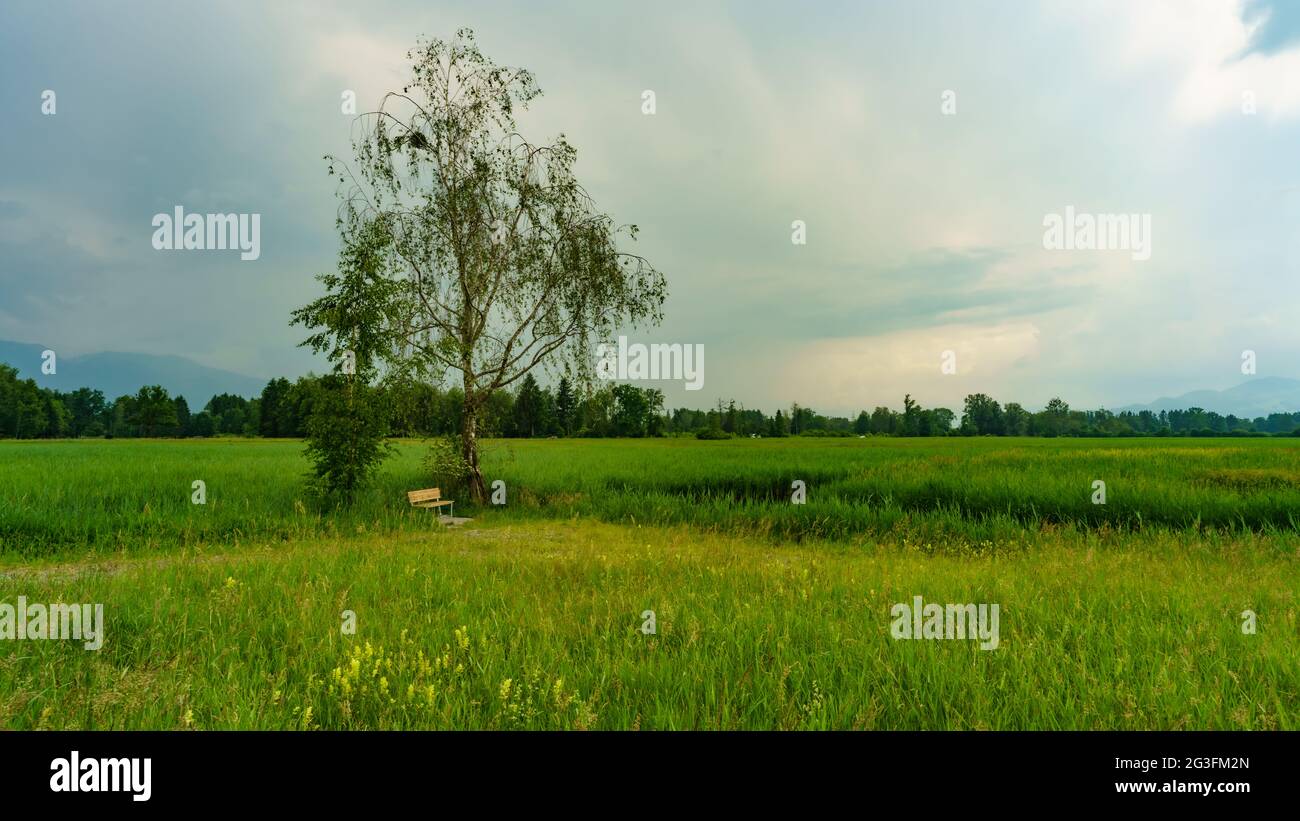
{"x": 345, "y": 436}
{"x": 446, "y": 464}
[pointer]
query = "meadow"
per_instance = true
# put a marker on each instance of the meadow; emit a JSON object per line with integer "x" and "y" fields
{"x": 957, "y": 494}
{"x": 769, "y": 615}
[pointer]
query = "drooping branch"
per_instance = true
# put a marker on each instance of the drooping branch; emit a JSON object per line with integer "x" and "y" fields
{"x": 471, "y": 248}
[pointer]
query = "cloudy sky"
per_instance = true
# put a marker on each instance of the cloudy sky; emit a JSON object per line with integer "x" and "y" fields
{"x": 925, "y": 229}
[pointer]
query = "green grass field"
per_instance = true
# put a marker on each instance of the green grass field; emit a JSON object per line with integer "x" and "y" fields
{"x": 769, "y": 614}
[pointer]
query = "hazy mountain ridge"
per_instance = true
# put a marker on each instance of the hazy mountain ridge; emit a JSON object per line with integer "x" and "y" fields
{"x": 119, "y": 374}
{"x": 1253, "y": 398}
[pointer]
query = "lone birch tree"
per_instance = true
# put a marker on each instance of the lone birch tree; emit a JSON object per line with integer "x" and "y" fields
{"x": 487, "y": 258}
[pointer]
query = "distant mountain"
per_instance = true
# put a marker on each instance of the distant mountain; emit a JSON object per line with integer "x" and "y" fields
{"x": 118, "y": 374}
{"x": 1256, "y": 397}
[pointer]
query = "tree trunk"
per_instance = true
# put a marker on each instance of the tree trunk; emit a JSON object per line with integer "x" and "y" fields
{"x": 469, "y": 450}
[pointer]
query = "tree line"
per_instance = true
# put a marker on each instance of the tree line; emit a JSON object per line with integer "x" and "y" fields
{"x": 285, "y": 409}
{"x": 981, "y": 415}
{"x": 414, "y": 409}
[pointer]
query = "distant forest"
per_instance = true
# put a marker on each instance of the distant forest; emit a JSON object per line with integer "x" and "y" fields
{"x": 28, "y": 411}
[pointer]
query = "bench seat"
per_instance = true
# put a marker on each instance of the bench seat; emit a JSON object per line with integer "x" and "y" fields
{"x": 430, "y": 498}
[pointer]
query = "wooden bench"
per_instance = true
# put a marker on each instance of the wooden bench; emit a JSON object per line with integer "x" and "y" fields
{"x": 431, "y": 497}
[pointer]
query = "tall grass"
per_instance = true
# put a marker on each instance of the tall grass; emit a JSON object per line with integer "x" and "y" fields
{"x": 110, "y": 495}
{"x": 537, "y": 625}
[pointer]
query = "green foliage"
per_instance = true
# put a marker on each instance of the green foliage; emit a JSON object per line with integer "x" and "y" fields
{"x": 153, "y": 410}
{"x": 633, "y": 410}
{"x": 712, "y": 434}
{"x": 445, "y": 464}
{"x": 26, "y": 410}
{"x": 862, "y": 425}
{"x": 345, "y": 437}
{"x": 277, "y": 413}
{"x": 566, "y": 406}
{"x": 529, "y": 408}
{"x": 203, "y": 425}
{"x": 984, "y": 415}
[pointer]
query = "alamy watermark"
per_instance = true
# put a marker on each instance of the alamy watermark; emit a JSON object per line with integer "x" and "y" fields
{"x": 946, "y": 622}
{"x": 209, "y": 232}
{"x": 53, "y": 622}
{"x": 77, "y": 774}
{"x": 1098, "y": 232}
{"x": 628, "y": 362}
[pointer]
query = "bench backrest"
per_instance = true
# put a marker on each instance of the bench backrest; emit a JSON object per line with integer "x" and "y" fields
{"x": 430, "y": 495}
